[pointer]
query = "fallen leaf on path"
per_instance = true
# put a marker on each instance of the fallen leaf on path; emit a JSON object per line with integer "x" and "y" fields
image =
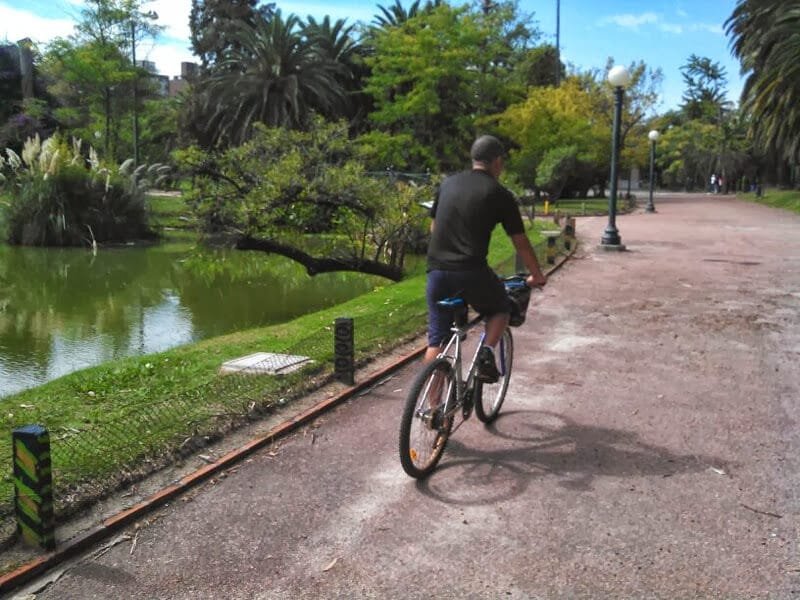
{"x": 717, "y": 471}
{"x": 330, "y": 566}
{"x": 133, "y": 544}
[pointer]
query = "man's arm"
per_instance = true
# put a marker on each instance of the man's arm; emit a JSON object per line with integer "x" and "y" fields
{"x": 523, "y": 247}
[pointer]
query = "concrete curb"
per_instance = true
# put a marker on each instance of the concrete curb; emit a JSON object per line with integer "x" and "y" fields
{"x": 81, "y": 542}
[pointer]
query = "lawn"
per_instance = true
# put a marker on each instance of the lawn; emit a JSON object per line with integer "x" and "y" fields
{"x": 169, "y": 213}
{"x": 788, "y": 199}
{"x": 579, "y": 207}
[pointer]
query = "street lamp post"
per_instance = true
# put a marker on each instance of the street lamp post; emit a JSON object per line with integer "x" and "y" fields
{"x": 653, "y": 137}
{"x": 619, "y": 78}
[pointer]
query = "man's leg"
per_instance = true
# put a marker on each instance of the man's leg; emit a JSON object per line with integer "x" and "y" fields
{"x": 495, "y": 327}
{"x": 431, "y": 353}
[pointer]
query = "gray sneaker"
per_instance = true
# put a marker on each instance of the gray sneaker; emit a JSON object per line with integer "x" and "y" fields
{"x": 487, "y": 367}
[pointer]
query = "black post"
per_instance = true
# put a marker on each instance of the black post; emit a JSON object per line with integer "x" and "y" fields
{"x": 650, "y": 206}
{"x": 344, "y": 350}
{"x": 611, "y": 235}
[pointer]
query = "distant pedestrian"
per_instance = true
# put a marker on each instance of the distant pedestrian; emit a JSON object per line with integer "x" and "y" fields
{"x": 721, "y": 185}
{"x": 713, "y": 183}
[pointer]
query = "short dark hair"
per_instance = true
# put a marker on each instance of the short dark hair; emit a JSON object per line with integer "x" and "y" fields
{"x": 486, "y": 148}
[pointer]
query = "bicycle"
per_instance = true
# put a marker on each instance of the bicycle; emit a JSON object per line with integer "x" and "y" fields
{"x": 439, "y": 392}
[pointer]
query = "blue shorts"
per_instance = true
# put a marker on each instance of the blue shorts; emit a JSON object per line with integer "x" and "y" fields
{"x": 481, "y": 288}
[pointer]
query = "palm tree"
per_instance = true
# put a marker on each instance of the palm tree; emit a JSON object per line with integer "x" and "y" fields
{"x": 336, "y": 44}
{"x": 274, "y": 75}
{"x": 334, "y": 41}
{"x": 765, "y": 37}
{"x": 396, "y": 14}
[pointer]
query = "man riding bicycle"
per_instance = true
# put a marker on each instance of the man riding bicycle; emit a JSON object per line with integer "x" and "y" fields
{"x": 467, "y": 208}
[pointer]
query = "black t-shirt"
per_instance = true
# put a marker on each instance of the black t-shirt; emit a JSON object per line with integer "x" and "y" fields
{"x": 467, "y": 209}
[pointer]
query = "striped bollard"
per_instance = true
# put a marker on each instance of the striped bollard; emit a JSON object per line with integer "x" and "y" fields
{"x": 344, "y": 350}
{"x": 33, "y": 486}
{"x": 552, "y": 237}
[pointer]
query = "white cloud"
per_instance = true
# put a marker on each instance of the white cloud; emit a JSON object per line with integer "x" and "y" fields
{"x": 671, "y": 27}
{"x": 631, "y": 21}
{"x": 173, "y": 45}
{"x": 709, "y": 27}
{"x": 635, "y": 21}
{"x": 171, "y": 49}
{"x": 167, "y": 57}
{"x": 16, "y": 24}
{"x": 682, "y": 13}
{"x": 174, "y": 15}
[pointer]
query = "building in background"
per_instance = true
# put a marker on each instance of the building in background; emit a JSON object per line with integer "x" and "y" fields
{"x": 16, "y": 69}
{"x": 170, "y": 87}
{"x": 179, "y": 83}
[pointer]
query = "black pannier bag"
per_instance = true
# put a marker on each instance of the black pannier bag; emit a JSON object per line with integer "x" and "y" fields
{"x": 520, "y": 296}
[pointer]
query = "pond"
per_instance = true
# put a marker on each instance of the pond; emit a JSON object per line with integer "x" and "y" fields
{"x": 66, "y": 309}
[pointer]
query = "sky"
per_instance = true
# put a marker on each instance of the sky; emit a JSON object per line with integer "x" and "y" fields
{"x": 662, "y": 33}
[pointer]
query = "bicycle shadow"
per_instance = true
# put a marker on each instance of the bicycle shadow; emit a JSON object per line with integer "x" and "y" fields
{"x": 549, "y": 445}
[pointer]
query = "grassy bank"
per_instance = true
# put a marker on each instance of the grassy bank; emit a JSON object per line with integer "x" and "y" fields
{"x": 169, "y": 216}
{"x": 112, "y": 423}
{"x": 580, "y": 207}
{"x": 788, "y": 199}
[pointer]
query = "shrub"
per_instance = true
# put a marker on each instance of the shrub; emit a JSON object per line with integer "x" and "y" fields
{"x": 58, "y": 197}
{"x": 308, "y": 194}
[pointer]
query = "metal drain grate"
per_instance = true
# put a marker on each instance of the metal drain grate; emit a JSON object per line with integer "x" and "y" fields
{"x": 264, "y": 363}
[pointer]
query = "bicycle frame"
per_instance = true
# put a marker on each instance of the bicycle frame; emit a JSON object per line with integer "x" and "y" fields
{"x": 453, "y": 352}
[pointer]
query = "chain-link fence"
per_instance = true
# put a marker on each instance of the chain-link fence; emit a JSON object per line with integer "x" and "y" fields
{"x": 90, "y": 462}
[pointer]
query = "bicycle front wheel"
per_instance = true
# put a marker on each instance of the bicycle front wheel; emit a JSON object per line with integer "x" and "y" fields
{"x": 423, "y": 429}
{"x": 489, "y": 396}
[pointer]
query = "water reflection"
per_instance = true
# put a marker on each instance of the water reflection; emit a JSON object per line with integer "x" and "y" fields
{"x": 64, "y": 309}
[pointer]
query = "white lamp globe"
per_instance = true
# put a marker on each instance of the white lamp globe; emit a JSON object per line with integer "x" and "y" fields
{"x": 618, "y": 76}
{"x": 653, "y": 135}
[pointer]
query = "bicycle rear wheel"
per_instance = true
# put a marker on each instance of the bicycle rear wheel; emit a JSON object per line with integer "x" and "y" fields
{"x": 489, "y": 396}
{"x": 423, "y": 429}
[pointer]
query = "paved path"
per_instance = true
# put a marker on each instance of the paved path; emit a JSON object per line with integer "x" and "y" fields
{"x": 648, "y": 448}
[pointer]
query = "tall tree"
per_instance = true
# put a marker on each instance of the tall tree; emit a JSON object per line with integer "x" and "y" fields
{"x": 396, "y": 14}
{"x": 540, "y": 66}
{"x": 336, "y": 43}
{"x": 92, "y": 72}
{"x": 436, "y": 74}
{"x": 705, "y": 84}
{"x": 271, "y": 74}
{"x": 212, "y": 23}
{"x": 765, "y": 37}
{"x": 91, "y": 82}
{"x": 555, "y": 125}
